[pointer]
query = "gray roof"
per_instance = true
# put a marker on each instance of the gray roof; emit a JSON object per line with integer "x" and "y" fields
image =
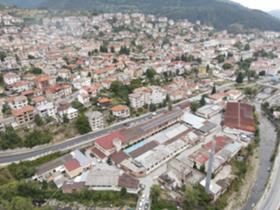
{"x": 94, "y": 114}
{"x": 208, "y": 126}
{"x": 53, "y": 164}
{"x": 103, "y": 175}
{"x": 172, "y": 115}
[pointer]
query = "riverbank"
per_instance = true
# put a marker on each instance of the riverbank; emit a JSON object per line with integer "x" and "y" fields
{"x": 265, "y": 151}
{"x": 238, "y": 198}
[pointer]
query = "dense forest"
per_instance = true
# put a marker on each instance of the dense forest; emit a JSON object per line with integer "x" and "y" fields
{"x": 220, "y": 14}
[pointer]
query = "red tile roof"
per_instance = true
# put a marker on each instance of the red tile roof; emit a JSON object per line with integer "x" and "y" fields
{"x": 118, "y": 157}
{"x": 104, "y": 100}
{"x": 119, "y": 108}
{"x": 239, "y": 116}
{"x": 72, "y": 165}
{"x": 128, "y": 181}
{"x": 98, "y": 153}
{"x": 22, "y": 111}
{"x": 220, "y": 143}
{"x": 106, "y": 142}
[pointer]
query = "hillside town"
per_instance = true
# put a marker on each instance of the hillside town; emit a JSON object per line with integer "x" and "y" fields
{"x": 172, "y": 87}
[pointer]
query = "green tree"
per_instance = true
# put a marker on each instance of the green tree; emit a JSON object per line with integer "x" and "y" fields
{"x": 20, "y": 203}
{"x": 123, "y": 191}
{"x": 213, "y": 90}
{"x": 170, "y": 106}
{"x": 194, "y": 165}
{"x": 82, "y": 124}
{"x": 227, "y": 66}
{"x": 152, "y": 108}
{"x": 195, "y": 106}
{"x": 151, "y": 73}
{"x": 202, "y": 101}
{"x": 37, "y": 137}
{"x": 120, "y": 90}
{"x": 239, "y": 78}
{"x": 112, "y": 50}
{"x": 36, "y": 70}
{"x": 3, "y": 55}
{"x": 202, "y": 168}
{"x": 207, "y": 68}
{"x": 124, "y": 50}
{"x": 220, "y": 58}
{"x": 191, "y": 197}
{"x": 135, "y": 83}
{"x": 2, "y": 84}
{"x": 77, "y": 105}
{"x": 247, "y": 47}
{"x": 65, "y": 119}
{"x": 9, "y": 139}
{"x": 103, "y": 48}
{"x": 155, "y": 193}
{"x": 38, "y": 120}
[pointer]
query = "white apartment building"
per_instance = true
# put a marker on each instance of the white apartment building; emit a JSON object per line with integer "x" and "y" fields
{"x": 11, "y": 78}
{"x": 158, "y": 95}
{"x": 147, "y": 95}
{"x": 79, "y": 82}
{"x": 71, "y": 113}
{"x": 96, "y": 120}
{"x": 83, "y": 97}
{"x": 137, "y": 100}
{"x": 17, "y": 102}
{"x": 120, "y": 111}
{"x": 46, "y": 110}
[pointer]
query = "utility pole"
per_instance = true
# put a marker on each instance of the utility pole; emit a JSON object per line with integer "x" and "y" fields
{"x": 210, "y": 165}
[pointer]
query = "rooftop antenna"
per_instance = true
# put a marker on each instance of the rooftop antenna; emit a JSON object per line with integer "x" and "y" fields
{"x": 210, "y": 165}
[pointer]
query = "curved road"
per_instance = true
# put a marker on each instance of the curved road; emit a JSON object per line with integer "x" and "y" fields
{"x": 76, "y": 141}
{"x": 12, "y": 156}
{"x": 271, "y": 197}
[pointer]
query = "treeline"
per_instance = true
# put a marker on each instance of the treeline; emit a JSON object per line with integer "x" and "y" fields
{"x": 17, "y": 192}
{"x": 11, "y": 140}
{"x": 220, "y": 14}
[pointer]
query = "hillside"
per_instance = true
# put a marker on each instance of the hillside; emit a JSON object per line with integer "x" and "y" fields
{"x": 221, "y": 14}
{"x": 275, "y": 13}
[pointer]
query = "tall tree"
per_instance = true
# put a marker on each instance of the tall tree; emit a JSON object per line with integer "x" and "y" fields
{"x": 9, "y": 139}
{"x": 213, "y": 90}
{"x": 239, "y": 78}
{"x": 150, "y": 73}
{"x": 202, "y": 101}
{"x": 194, "y": 106}
{"x": 82, "y": 124}
{"x": 155, "y": 193}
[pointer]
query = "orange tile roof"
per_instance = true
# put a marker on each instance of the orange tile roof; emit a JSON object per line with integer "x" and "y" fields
{"x": 27, "y": 92}
{"x": 104, "y": 100}
{"x": 18, "y": 112}
{"x": 20, "y": 83}
{"x": 119, "y": 108}
{"x": 43, "y": 78}
{"x": 37, "y": 99}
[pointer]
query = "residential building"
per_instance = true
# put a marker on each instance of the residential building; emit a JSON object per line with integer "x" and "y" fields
{"x": 96, "y": 120}
{"x": 23, "y": 115}
{"x": 11, "y": 78}
{"x": 17, "y": 102}
{"x": 120, "y": 111}
{"x": 73, "y": 168}
{"x": 46, "y": 110}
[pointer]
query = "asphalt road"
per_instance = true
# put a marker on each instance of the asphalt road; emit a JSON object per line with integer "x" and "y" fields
{"x": 34, "y": 153}
{"x": 271, "y": 196}
{"x": 87, "y": 138}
